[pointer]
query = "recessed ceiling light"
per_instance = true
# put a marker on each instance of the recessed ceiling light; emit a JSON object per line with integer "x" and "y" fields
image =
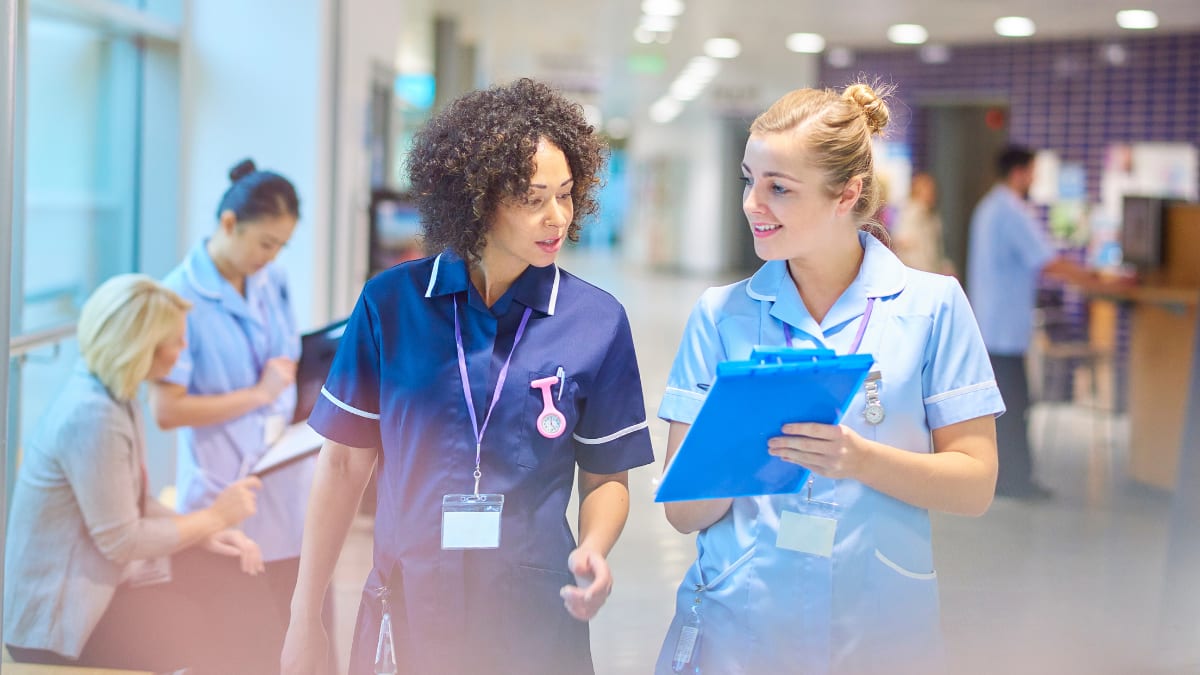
{"x": 934, "y": 54}
{"x": 658, "y": 24}
{"x": 665, "y": 109}
{"x": 722, "y": 48}
{"x": 908, "y": 34}
{"x": 806, "y": 43}
{"x": 840, "y": 57}
{"x": 1014, "y": 26}
{"x": 662, "y": 7}
{"x": 1137, "y": 19}
{"x": 1114, "y": 54}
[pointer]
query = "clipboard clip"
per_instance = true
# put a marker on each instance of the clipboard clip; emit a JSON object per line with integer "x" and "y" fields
{"x": 781, "y": 355}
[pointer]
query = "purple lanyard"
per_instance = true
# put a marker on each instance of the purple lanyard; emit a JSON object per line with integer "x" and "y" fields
{"x": 466, "y": 383}
{"x": 862, "y": 328}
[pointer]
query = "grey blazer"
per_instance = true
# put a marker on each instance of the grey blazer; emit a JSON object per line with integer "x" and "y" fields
{"x": 78, "y": 517}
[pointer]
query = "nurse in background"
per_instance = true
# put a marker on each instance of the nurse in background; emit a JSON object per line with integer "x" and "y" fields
{"x": 233, "y": 389}
{"x": 838, "y": 578}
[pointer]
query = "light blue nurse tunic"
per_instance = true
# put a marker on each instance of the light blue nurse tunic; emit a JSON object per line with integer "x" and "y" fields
{"x": 872, "y": 605}
{"x": 230, "y": 338}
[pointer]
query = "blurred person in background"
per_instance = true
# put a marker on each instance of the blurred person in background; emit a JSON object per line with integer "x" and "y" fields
{"x": 476, "y": 382}
{"x": 1008, "y": 252}
{"x": 98, "y": 572}
{"x": 233, "y": 389}
{"x": 838, "y": 578}
{"x": 917, "y": 233}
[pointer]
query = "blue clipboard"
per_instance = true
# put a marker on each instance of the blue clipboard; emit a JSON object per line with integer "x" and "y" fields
{"x": 725, "y": 452}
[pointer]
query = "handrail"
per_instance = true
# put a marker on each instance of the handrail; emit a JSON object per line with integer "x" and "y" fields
{"x": 23, "y": 344}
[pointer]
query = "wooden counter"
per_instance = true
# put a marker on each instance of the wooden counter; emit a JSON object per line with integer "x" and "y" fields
{"x": 1162, "y": 335}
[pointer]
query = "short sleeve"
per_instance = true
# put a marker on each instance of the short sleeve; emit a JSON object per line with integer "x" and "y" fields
{"x": 612, "y": 435}
{"x": 1032, "y": 245}
{"x": 695, "y": 366}
{"x": 957, "y": 379}
{"x": 347, "y": 411}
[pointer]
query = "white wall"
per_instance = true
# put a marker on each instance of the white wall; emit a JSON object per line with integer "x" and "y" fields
{"x": 374, "y": 34}
{"x": 684, "y": 174}
{"x": 256, "y": 80}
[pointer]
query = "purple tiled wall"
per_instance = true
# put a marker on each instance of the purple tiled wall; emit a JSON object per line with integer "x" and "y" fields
{"x": 1071, "y": 96}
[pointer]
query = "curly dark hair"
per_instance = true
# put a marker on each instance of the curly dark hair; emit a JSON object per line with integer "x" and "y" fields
{"x": 479, "y": 151}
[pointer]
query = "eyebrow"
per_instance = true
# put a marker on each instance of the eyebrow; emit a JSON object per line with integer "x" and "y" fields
{"x": 543, "y": 187}
{"x": 773, "y": 174}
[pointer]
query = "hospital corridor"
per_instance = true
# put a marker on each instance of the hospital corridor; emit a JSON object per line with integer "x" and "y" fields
{"x": 902, "y": 297}
{"x": 1073, "y": 585}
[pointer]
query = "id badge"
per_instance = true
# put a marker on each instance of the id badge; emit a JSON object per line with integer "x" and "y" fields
{"x": 806, "y": 533}
{"x": 812, "y": 529}
{"x": 471, "y": 521}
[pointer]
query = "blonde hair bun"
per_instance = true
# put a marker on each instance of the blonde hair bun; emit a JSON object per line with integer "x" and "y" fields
{"x": 873, "y": 106}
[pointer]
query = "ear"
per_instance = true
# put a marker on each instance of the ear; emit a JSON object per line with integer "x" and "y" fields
{"x": 228, "y": 221}
{"x": 849, "y": 196}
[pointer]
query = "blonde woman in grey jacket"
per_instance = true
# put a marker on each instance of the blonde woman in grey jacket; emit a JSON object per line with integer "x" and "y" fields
{"x": 97, "y": 571}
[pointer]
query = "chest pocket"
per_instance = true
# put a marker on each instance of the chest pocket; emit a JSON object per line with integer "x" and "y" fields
{"x": 536, "y": 450}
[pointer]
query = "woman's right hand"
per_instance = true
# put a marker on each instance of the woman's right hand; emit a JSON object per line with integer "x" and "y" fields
{"x": 278, "y": 374}
{"x": 305, "y": 648}
{"x": 238, "y": 501}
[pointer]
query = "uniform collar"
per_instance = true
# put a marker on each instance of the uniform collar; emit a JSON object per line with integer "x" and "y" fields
{"x": 880, "y": 275}
{"x": 202, "y": 274}
{"x": 536, "y": 288}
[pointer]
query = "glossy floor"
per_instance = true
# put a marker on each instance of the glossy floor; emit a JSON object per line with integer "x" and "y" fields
{"x": 1070, "y": 585}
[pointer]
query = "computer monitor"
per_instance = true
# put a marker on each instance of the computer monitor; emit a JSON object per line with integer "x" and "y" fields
{"x": 316, "y": 357}
{"x": 1142, "y": 231}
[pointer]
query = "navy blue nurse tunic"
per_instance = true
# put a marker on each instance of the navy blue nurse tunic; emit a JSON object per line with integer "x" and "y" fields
{"x": 395, "y": 385}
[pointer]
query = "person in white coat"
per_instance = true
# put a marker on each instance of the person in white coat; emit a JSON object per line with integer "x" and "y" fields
{"x": 838, "y": 578}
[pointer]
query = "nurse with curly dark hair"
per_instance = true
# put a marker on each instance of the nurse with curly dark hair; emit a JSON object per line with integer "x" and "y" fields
{"x": 475, "y": 382}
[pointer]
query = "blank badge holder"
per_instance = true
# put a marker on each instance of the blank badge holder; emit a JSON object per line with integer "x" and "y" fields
{"x": 471, "y": 521}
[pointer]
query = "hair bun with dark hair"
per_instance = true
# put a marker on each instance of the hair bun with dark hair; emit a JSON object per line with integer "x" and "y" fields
{"x": 244, "y": 168}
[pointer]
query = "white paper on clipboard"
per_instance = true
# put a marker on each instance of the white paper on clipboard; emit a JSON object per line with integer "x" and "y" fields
{"x": 297, "y": 441}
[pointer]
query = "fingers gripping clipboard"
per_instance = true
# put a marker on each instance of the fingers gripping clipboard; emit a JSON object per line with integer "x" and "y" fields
{"x": 725, "y": 451}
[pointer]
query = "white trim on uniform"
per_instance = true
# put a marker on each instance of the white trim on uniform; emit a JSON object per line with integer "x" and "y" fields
{"x": 922, "y": 576}
{"x": 687, "y": 393}
{"x": 433, "y": 277}
{"x": 611, "y": 437}
{"x": 347, "y": 407}
{"x": 959, "y": 392}
{"x": 758, "y": 296}
{"x": 553, "y": 292}
{"x": 190, "y": 273}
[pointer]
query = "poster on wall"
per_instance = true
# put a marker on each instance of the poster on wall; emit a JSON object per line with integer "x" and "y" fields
{"x": 1046, "y": 169}
{"x": 1168, "y": 170}
{"x": 894, "y": 168}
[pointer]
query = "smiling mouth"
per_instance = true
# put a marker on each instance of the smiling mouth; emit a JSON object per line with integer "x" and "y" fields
{"x": 764, "y": 227}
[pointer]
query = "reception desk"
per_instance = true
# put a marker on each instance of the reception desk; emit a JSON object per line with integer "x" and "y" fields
{"x": 1160, "y": 365}
{"x": 1162, "y": 334}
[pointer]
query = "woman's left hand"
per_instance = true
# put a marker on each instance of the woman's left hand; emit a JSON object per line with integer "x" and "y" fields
{"x": 235, "y": 543}
{"x": 594, "y": 581}
{"x": 830, "y": 450}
